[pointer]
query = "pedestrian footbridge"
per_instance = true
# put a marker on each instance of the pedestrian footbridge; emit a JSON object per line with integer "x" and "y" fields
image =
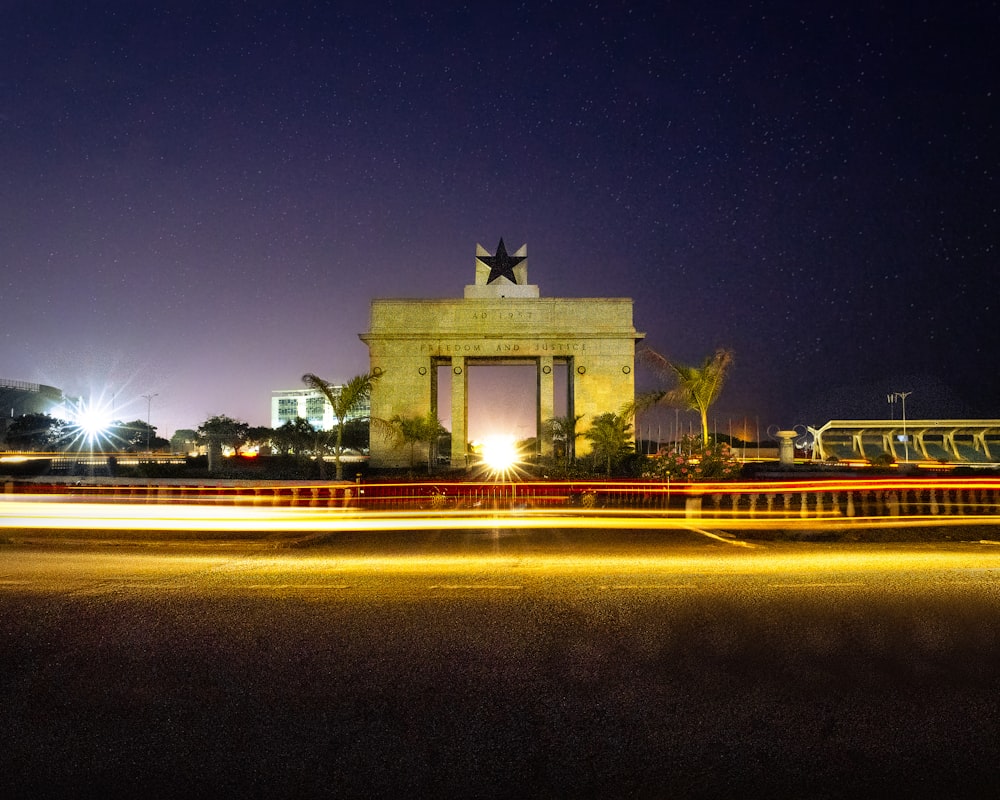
{"x": 968, "y": 442}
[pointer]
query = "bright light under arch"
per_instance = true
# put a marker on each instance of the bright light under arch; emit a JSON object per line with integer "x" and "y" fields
{"x": 499, "y": 453}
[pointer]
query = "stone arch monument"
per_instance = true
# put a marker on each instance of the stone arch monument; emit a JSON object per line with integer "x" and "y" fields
{"x": 501, "y": 320}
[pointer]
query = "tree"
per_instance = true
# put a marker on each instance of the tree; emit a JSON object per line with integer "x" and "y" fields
{"x": 357, "y": 435}
{"x": 697, "y": 388}
{"x": 418, "y": 430}
{"x": 564, "y": 430}
{"x": 294, "y": 436}
{"x": 38, "y": 432}
{"x": 183, "y": 440}
{"x": 222, "y": 431}
{"x": 301, "y": 438}
{"x": 407, "y": 432}
{"x": 344, "y": 400}
{"x": 135, "y": 437}
{"x": 260, "y": 436}
{"x": 610, "y": 437}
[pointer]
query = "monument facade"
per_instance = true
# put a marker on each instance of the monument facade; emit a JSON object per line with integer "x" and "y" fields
{"x": 502, "y": 319}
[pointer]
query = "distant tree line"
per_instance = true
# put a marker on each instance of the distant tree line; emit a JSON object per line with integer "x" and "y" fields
{"x": 610, "y": 434}
{"x": 45, "y": 433}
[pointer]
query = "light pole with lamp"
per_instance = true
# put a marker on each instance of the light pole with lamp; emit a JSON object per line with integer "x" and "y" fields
{"x": 149, "y": 406}
{"x": 901, "y": 396}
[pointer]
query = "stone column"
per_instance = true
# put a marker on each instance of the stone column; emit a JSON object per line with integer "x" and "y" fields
{"x": 546, "y": 402}
{"x": 786, "y": 448}
{"x": 459, "y": 411}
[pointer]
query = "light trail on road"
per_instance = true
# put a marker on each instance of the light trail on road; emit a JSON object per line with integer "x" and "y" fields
{"x": 41, "y": 512}
{"x": 576, "y": 566}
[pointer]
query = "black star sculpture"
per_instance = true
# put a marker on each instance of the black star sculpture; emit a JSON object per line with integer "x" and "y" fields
{"x": 501, "y": 265}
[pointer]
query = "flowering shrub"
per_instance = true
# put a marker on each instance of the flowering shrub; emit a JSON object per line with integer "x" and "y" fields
{"x": 692, "y": 460}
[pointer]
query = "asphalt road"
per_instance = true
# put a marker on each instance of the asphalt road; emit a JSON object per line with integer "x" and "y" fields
{"x": 501, "y": 664}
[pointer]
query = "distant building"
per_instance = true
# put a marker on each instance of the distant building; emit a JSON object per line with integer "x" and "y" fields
{"x": 18, "y": 398}
{"x": 311, "y": 405}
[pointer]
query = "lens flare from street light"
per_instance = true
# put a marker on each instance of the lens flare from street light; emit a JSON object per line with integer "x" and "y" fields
{"x": 91, "y": 421}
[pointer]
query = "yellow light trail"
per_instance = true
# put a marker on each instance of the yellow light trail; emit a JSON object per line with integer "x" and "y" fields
{"x": 782, "y": 568}
{"x": 423, "y": 490}
{"x": 40, "y": 512}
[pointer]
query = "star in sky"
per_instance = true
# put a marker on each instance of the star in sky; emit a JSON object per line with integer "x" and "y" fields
{"x": 369, "y": 148}
{"x": 501, "y": 265}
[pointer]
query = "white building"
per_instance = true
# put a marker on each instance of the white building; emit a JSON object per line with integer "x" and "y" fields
{"x": 311, "y": 405}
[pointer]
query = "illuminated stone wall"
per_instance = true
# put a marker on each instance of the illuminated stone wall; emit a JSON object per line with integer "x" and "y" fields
{"x": 408, "y": 339}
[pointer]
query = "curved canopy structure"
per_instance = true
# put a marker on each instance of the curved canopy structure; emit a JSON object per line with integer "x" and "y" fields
{"x": 968, "y": 442}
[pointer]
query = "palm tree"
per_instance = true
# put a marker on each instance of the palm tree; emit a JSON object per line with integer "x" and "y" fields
{"x": 697, "y": 387}
{"x": 563, "y": 429}
{"x": 344, "y": 400}
{"x": 610, "y": 437}
{"x": 418, "y": 429}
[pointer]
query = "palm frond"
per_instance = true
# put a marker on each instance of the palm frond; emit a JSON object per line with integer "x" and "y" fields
{"x": 382, "y": 427}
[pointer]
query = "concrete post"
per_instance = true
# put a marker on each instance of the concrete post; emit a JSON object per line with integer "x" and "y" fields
{"x": 786, "y": 447}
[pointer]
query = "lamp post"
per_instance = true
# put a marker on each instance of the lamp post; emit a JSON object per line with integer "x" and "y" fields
{"x": 149, "y": 406}
{"x": 901, "y": 396}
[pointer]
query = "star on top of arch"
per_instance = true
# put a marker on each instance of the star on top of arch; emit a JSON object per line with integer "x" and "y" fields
{"x": 501, "y": 265}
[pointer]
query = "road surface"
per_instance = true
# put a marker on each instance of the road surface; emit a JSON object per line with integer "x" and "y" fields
{"x": 501, "y": 663}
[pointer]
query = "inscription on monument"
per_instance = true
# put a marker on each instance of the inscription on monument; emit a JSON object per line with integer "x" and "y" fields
{"x": 443, "y": 348}
{"x": 562, "y": 347}
{"x": 526, "y": 316}
{"x": 451, "y": 348}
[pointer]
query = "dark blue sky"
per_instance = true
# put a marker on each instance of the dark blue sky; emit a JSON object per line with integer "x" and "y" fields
{"x": 200, "y": 199}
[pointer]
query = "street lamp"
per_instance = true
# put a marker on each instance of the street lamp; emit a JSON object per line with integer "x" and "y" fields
{"x": 149, "y": 406}
{"x": 892, "y": 397}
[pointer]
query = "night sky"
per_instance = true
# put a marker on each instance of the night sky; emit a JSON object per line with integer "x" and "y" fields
{"x": 199, "y": 200}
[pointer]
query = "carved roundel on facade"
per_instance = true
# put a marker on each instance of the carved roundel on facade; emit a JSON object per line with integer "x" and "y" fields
{"x": 546, "y": 369}
{"x": 422, "y": 371}
{"x": 626, "y": 369}
{"x": 457, "y": 370}
{"x": 581, "y": 370}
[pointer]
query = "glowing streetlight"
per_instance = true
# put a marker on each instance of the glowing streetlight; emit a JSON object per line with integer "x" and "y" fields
{"x": 901, "y": 396}
{"x": 91, "y": 420}
{"x": 149, "y": 406}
